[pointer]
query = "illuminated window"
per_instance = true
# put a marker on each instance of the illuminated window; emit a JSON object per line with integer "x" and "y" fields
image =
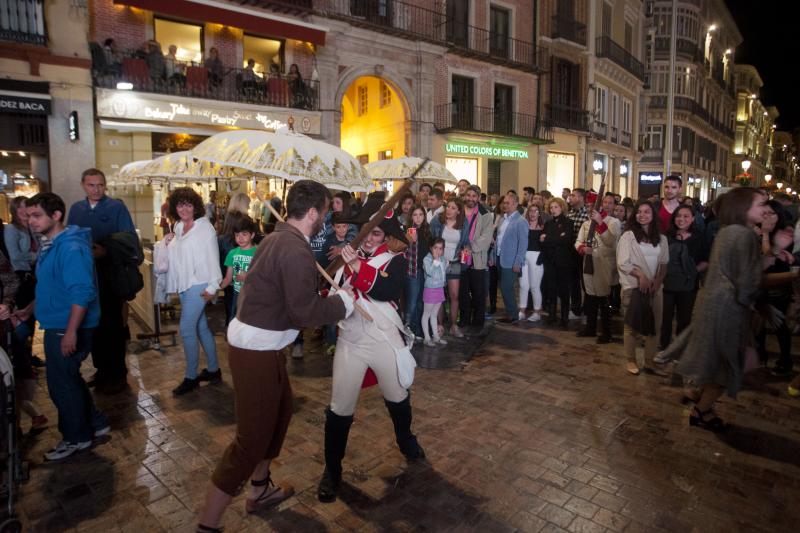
{"x": 265, "y": 52}
{"x": 383, "y": 155}
{"x": 187, "y": 37}
{"x": 362, "y": 100}
{"x": 560, "y": 171}
{"x": 363, "y": 159}
{"x": 463, "y": 168}
{"x": 386, "y": 95}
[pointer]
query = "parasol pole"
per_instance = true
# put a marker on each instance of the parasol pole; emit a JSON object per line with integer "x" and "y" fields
{"x": 370, "y": 225}
{"x": 363, "y": 312}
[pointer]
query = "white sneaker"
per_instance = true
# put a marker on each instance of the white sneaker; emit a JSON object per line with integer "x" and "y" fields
{"x": 105, "y": 430}
{"x": 440, "y": 341}
{"x": 430, "y": 343}
{"x": 573, "y": 316}
{"x": 64, "y": 449}
{"x": 535, "y": 317}
{"x": 297, "y": 351}
{"x": 521, "y": 315}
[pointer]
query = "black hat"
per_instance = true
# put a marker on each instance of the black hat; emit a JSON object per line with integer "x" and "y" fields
{"x": 389, "y": 224}
{"x": 391, "y": 227}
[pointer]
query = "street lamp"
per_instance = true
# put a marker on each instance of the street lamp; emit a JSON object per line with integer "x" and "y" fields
{"x": 788, "y": 190}
{"x": 745, "y": 165}
{"x": 597, "y": 166}
{"x": 779, "y": 185}
{"x": 767, "y": 178}
{"x": 623, "y": 169}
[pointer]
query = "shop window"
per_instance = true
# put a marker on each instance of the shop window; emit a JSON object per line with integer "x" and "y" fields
{"x": 386, "y": 95}
{"x": 463, "y": 168}
{"x": 264, "y": 51}
{"x": 188, "y": 38}
{"x": 560, "y": 171}
{"x": 363, "y": 107}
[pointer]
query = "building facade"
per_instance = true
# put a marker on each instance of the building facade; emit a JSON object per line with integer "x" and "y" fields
{"x": 616, "y": 86}
{"x": 786, "y": 167}
{"x": 755, "y": 128}
{"x": 704, "y": 96}
{"x": 47, "y": 133}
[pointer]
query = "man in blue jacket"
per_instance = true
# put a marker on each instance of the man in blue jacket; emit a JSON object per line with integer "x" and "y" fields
{"x": 105, "y": 216}
{"x": 68, "y": 310}
{"x": 510, "y": 248}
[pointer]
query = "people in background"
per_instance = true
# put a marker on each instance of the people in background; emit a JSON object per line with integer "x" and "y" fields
{"x": 472, "y": 286}
{"x": 174, "y": 69}
{"x": 215, "y": 68}
{"x": 451, "y": 227}
{"x": 533, "y": 270}
{"x": 238, "y": 260}
{"x": 510, "y": 248}
{"x": 559, "y": 260}
{"x": 433, "y": 294}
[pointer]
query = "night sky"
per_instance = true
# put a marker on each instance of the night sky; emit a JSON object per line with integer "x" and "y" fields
{"x": 772, "y": 44}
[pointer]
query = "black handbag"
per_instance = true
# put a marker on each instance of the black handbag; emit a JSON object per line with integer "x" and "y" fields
{"x": 639, "y": 314}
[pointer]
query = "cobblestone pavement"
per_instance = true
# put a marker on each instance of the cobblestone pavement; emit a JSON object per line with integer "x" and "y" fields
{"x": 539, "y": 431}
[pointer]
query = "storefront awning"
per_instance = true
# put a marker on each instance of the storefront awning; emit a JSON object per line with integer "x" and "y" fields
{"x": 246, "y": 18}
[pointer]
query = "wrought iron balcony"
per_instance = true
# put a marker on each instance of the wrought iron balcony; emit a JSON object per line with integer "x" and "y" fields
{"x": 571, "y": 118}
{"x": 194, "y": 80}
{"x": 477, "y": 42}
{"x": 454, "y": 117}
{"x": 606, "y": 47}
{"x": 684, "y": 48}
{"x": 283, "y": 6}
{"x": 625, "y": 139}
{"x": 23, "y": 22}
{"x": 614, "y": 134}
{"x": 388, "y": 16}
{"x": 600, "y": 130}
{"x": 569, "y": 29}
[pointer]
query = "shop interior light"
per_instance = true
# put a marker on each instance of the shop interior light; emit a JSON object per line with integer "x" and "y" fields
{"x": 21, "y": 153}
{"x": 124, "y": 86}
{"x": 779, "y": 185}
{"x": 597, "y": 165}
{"x": 712, "y": 28}
{"x": 623, "y": 169}
{"x": 5, "y": 154}
{"x": 788, "y": 190}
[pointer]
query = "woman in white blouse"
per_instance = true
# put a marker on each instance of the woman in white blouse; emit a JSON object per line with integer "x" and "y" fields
{"x": 642, "y": 257}
{"x": 193, "y": 274}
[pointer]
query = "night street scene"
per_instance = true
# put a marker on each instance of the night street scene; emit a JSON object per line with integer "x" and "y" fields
{"x": 399, "y": 266}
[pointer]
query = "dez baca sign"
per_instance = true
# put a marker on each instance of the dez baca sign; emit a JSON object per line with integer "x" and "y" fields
{"x": 21, "y": 104}
{"x": 485, "y": 150}
{"x": 153, "y": 107}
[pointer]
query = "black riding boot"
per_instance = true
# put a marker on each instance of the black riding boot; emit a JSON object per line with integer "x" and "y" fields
{"x": 337, "y": 428}
{"x": 605, "y": 322}
{"x": 401, "y": 418}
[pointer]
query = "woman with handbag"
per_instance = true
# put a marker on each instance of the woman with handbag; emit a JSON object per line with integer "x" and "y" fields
{"x": 642, "y": 257}
{"x": 688, "y": 257}
{"x": 450, "y": 226}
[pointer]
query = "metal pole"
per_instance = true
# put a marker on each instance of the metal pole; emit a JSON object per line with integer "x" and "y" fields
{"x": 671, "y": 90}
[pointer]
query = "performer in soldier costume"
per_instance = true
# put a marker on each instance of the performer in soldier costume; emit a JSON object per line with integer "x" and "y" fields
{"x": 376, "y": 272}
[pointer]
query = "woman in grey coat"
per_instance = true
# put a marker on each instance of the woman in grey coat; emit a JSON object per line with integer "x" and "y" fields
{"x": 714, "y": 348}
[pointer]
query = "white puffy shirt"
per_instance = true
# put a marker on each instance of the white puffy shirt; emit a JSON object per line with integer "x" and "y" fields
{"x": 194, "y": 258}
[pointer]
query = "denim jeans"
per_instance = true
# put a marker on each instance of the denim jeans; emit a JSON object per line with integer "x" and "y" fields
{"x": 194, "y": 326}
{"x": 507, "y": 280}
{"x": 414, "y": 288}
{"x": 77, "y": 416}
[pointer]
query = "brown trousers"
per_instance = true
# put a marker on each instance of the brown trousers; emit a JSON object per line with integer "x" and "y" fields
{"x": 263, "y": 410}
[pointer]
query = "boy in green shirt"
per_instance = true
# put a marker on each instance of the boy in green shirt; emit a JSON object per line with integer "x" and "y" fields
{"x": 238, "y": 260}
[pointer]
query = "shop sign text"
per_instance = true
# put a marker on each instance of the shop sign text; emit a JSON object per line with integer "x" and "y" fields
{"x": 485, "y": 150}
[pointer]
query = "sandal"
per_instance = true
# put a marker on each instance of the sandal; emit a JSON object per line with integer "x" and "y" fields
{"x": 699, "y": 419}
{"x": 270, "y": 496}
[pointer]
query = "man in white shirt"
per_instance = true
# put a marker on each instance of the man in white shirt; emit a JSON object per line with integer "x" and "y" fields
{"x": 435, "y": 204}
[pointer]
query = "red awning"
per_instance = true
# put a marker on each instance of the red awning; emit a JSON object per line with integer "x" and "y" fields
{"x": 246, "y": 18}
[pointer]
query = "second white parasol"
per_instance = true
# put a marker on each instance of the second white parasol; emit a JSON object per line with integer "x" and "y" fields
{"x": 403, "y": 167}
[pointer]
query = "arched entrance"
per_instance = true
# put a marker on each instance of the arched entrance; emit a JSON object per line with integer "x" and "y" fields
{"x": 374, "y": 121}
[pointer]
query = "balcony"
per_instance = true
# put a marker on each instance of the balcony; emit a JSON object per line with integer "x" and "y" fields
{"x": 392, "y": 17}
{"x": 600, "y": 130}
{"x": 614, "y": 134}
{"x": 571, "y": 118}
{"x": 607, "y": 48}
{"x": 684, "y": 103}
{"x": 23, "y": 22}
{"x": 192, "y": 80}
{"x": 569, "y": 29}
{"x": 487, "y": 120}
{"x": 684, "y": 48}
{"x": 653, "y": 155}
{"x": 285, "y": 6}
{"x": 470, "y": 41}
{"x": 625, "y": 139}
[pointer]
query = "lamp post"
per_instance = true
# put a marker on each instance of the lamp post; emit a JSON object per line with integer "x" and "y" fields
{"x": 767, "y": 179}
{"x": 745, "y": 165}
{"x": 779, "y": 185}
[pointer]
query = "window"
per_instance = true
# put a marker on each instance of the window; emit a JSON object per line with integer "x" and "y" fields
{"x": 560, "y": 171}
{"x": 457, "y": 21}
{"x": 566, "y": 82}
{"x": 614, "y": 110}
{"x": 655, "y": 136}
{"x": 363, "y": 159}
{"x": 362, "y": 100}
{"x": 386, "y": 95}
{"x": 383, "y": 155}
{"x": 462, "y": 99}
{"x": 627, "y": 119}
{"x": 600, "y": 109}
{"x": 188, "y": 38}
{"x": 463, "y": 168}
{"x": 503, "y": 109}
{"x": 499, "y": 20}
{"x": 628, "y": 37}
{"x": 607, "y": 18}
{"x": 264, "y": 51}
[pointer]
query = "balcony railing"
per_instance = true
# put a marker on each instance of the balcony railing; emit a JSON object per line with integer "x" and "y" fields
{"x": 281, "y": 5}
{"x": 606, "y": 47}
{"x": 614, "y": 134}
{"x": 453, "y": 117}
{"x": 600, "y": 130}
{"x": 388, "y": 16}
{"x": 569, "y": 29}
{"x": 227, "y": 84}
{"x": 684, "y": 48}
{"x": 23, "y": 22}
{"x": 571, "y": 118}
{"x": 687, "y": 104}
{"x": 653, "y": 154}
{"x": 625, "y": 139}
{"x": 471, "y": 41}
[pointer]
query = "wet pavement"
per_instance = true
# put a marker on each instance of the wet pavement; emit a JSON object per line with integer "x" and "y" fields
{"x": 537, "y": 431}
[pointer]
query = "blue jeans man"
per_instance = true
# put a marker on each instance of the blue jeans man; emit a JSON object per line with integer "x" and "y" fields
{"x": 507, "y": 280}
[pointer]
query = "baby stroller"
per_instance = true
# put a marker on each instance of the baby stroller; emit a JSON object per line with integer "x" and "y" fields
{"x": 13, "y": 470}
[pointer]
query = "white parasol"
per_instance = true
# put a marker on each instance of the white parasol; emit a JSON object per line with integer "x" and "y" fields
{"x": 403, "y": 167}
{"x": 182, "y": 165}
{"x": 286, "y": 155}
